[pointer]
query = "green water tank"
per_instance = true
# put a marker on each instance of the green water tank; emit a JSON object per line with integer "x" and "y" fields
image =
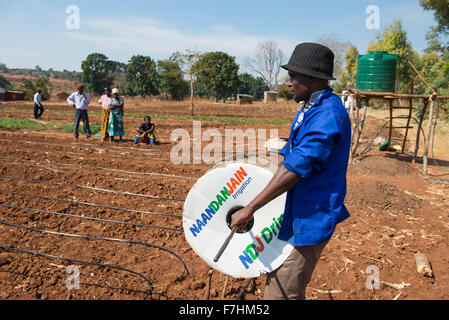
{"x": 376, "y": 71}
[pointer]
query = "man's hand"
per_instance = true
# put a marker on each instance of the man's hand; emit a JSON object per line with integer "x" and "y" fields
{"x": 282, "y": 181}
{"x": 242, "y": 217}
{"x": 73, "y": 105}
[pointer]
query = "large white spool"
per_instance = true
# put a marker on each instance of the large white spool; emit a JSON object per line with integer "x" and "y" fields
{"x": 206, "y": 230}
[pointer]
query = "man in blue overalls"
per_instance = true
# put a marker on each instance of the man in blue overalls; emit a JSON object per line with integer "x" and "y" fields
{"x": 313, "y": 172}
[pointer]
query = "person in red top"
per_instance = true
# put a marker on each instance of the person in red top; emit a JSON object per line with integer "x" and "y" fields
{"x": 104, "y": 102}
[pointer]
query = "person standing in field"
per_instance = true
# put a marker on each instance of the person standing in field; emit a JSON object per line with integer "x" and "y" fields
{"x": 115, "y": 126}
{"x": 80, "y": 101}
{"x": 104, "y": 101}
{"x": 313, "y": 172}
{"x": 38, "y": 107}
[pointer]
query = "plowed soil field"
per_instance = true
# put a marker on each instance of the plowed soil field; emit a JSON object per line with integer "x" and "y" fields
{"x": 53, "y": 187}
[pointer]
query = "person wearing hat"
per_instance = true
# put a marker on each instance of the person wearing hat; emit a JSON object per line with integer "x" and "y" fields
{"x": 80, "y": 101}
{"x": 313, "y": 172}
{"x": 104, "y": 101}
{"x": 115, "y": 125}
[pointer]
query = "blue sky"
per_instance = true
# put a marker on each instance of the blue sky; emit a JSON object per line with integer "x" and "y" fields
{"x": 34, "y": 31}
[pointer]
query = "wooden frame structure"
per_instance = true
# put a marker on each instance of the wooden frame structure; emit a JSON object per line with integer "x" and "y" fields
{"x": 359, "y": 97}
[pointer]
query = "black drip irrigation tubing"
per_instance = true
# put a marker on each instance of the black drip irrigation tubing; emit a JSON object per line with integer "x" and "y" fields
{"x": 105, "y": 148}
{"x": 102, "y": 155}
{"x": 105, "y": 169}
{"x": 90, "y": 218}
{"x": 90, "y": 204}
{"x": 14, "y": 163}
{"x": 83, "y": 262}
{"x": 95, "y": 146}
{"x": 185, "y": 271}
{"x": 85, "y": 144}
{"x": 91, "y": 188}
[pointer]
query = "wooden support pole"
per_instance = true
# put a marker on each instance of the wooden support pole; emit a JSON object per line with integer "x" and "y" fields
{"x": 429, "y": 132}
{"x": 355, "y": 131}
{"x": 362, "y": 121}
{"x": 418, "y": 134}
{"x": 409, "y": 114}
{"x": 422, "y": 78}
{"x": 390, "y": 131}
{"x": 360, "y": 127}
{"x": 383, "y": 95}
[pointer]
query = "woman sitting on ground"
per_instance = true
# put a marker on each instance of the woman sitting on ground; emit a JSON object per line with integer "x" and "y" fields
{"x": 146, "y": 130}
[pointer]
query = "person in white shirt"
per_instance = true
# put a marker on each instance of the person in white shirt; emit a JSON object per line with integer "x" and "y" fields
{"x": 80, "y": 101}
{"x": 38, "y": 108}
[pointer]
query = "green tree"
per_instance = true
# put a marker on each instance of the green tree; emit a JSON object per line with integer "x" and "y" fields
{"x": 142, "y": 77}
{"x": 348, "y": 77}
{"x": 219, "y": 74}
{"x": 252, "y": 85}
{"x": 394, "y": 41}
{"x": 5, "y": 84}
{"x": 172, "y": 80}
{"x": 37, "y": 69}
{"x": 3, "y": 68}
{"x": 440, "y": 10}
{"x": 97, "y": 70}
{"x": 284, "y": 92}
{"x": 436, "y": 42}
{"x": 30, "y": 88}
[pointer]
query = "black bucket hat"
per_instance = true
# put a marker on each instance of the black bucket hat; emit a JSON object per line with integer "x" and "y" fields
{"x": 313, "y": 60}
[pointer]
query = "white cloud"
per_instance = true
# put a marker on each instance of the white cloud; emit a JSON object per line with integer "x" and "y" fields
{"x": 153, "y": 37}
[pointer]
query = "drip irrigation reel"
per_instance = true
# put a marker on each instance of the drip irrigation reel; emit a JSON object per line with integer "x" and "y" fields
{"x": 227, "y": 186}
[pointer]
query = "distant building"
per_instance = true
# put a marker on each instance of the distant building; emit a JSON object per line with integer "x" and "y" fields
{"x": 12, "y": 95}
{"x": 62, "y": 96}
{"x": 244, "y": 99}
{"x": 270, "y": 96}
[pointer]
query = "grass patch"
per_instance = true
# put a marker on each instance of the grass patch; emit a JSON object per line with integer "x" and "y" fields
{"x": 161, "y": 116}
{"x": 12, "y": 123}
{"x": 213, "y": 118}
{"x": 94, "y": 128}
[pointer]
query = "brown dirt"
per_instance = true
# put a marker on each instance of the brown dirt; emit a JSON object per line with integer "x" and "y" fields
{"x": 394, "y": 213}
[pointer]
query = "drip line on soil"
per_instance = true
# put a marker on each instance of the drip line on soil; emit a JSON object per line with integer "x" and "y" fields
{"x": 95, "y": 146}
{"x": 82, "y": 262}
{"x": 90, "y": 204}
{"x": 101, "y": 155}
{"x": 91, "y": 188}
{"x": 105, "y": 169}
{"x": 113, "y": 156}
{"x": 90, "y": 218}
{"x": 185, "y": 272}
{"x": 13, "y": 163}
